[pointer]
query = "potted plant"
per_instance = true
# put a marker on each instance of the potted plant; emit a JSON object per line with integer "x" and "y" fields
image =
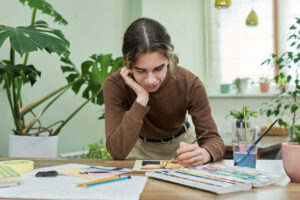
{"x": 285, "y": 105}
{"x": 97, "y": 150}
{"x": 13, "y": 76}
{"x": 241, "y": 115}
{"x": 264, "y": 84}
{"x": 241, "y": 85}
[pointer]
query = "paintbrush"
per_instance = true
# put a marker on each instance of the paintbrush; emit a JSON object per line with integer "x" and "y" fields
{"x": 174, "y": 158}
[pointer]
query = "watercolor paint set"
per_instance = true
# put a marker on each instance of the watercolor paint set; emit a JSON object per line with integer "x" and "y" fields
{"x": 217, "y": 178}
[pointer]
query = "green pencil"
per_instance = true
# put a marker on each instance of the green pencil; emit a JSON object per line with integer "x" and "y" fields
{"x": 245, "y": 121}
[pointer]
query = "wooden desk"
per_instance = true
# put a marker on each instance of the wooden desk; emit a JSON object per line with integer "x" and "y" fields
{"x": 156, "y": 189}
{"x": 265, "y": 146}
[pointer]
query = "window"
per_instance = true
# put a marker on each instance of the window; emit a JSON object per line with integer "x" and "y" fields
{"x": 289, "y": 9}
{"x": 237, "y": 50}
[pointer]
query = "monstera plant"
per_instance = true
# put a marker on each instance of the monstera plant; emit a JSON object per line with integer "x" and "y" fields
{"x": 13, "y": 76}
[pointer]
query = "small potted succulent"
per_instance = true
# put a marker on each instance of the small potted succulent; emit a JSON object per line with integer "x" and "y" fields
{"x": 264, "y": 84}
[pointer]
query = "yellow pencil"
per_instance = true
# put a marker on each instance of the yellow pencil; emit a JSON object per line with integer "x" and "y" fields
{"x": 97, "y": 181}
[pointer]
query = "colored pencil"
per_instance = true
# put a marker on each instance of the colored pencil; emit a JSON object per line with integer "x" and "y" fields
{"x": 98, "y": 180}
{"x": 245, "y": 122}
{"x": 109, "y": 181}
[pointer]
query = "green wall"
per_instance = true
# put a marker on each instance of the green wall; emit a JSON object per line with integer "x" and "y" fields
{"x": 97, "y": 26}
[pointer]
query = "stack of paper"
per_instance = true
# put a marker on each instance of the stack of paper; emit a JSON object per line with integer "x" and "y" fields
{"x": 8, "y": 177}
{"x": 66, "y": 187}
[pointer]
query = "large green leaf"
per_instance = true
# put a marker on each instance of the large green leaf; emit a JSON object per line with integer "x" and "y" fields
{"x": 45, "y": 8}
{"x": 96, "y": 74}
{"x": 85, "y": 66}
{"x": 93, "y": 72}
{"x": 106, "y": 62}
{"x": 29, "y": 71}
{"x": 34, "y": 37}
{"x": 117, "y": 64}
{"x": 294, "y": 108}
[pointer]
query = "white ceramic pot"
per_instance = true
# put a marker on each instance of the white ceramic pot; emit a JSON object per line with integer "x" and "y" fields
{"x": 32, "y": 146}
{"x": 244, "y": 86}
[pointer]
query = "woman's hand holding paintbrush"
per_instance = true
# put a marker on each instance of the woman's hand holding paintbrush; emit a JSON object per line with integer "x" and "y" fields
{"x": 187, "y": 150}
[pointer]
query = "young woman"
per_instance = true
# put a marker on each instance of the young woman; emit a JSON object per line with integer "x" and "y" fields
{"x": 147, "y": 100}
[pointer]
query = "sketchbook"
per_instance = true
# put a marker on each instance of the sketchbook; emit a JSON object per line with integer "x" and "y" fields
{"x": 218, "y": 178}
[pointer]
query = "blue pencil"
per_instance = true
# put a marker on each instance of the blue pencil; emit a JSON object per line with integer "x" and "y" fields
{"x": 108, "y": 181}
{"x": 255, "y": 143}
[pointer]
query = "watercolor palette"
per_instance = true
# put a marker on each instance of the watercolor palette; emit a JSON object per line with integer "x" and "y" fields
{"x": 217, "y": 178}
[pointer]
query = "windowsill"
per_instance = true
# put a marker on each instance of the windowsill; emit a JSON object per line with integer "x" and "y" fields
{"x": 252, "y": 92}
{"x": 268, "y": 95}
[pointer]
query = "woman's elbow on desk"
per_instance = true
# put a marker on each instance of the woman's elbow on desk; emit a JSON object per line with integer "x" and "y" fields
{"x": 115, "y": 153}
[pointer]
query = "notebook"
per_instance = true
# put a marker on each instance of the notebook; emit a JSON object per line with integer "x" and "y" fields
{"x": 9, "y": 177}
{"x": 218, "y": 178}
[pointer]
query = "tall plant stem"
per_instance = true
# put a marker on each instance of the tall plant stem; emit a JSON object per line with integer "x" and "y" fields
{"x": 31, "y": 23}
{"x": 293, "y": 125}
{"x": 21, "y": 79}
{"x": 56, "y": 132}
{"x": 14, "y": 100}
{"x": 9, "y": 97}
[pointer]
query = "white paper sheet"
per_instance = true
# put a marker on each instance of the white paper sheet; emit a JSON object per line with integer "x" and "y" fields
{"x": 65, "y": 187}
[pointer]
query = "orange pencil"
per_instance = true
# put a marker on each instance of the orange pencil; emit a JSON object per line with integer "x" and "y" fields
{"x": 97, "y": 181}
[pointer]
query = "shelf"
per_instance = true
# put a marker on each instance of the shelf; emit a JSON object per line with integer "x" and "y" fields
{"x": 240, "y": 95}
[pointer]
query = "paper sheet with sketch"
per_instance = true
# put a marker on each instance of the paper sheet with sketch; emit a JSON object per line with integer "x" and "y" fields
{"x": 93, "y": 172}
{"x": 152, "y": 165}
{"x": 65, "y": 187}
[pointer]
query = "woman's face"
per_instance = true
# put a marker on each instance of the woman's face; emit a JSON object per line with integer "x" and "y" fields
{"x": 150, "y": 70}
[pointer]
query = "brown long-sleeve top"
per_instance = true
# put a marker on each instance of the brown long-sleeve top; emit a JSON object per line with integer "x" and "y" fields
{"x": 164, "y": 116}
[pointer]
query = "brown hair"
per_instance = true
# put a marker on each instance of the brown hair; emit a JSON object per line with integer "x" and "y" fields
{"x": 146, "y": 35}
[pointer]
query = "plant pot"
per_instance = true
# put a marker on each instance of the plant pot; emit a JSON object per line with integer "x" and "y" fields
{"x": 225, "y": 88}
{"x": 244, "y": 86}
{"x": 264, "y": 87}
{"x": 291, "y": 161}
{"x": 32, "y": 146}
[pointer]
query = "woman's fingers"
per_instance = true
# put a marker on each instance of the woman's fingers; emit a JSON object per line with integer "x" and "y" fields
{"x": 125, "y": 73}
{"x": 190, "y": 157}
{"x": 141, "y": 93}
{"x": 193, "y": 155}
{"x": 185, "y": 147}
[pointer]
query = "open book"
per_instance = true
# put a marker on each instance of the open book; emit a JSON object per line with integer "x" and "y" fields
{"x": 218, "y": 178}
